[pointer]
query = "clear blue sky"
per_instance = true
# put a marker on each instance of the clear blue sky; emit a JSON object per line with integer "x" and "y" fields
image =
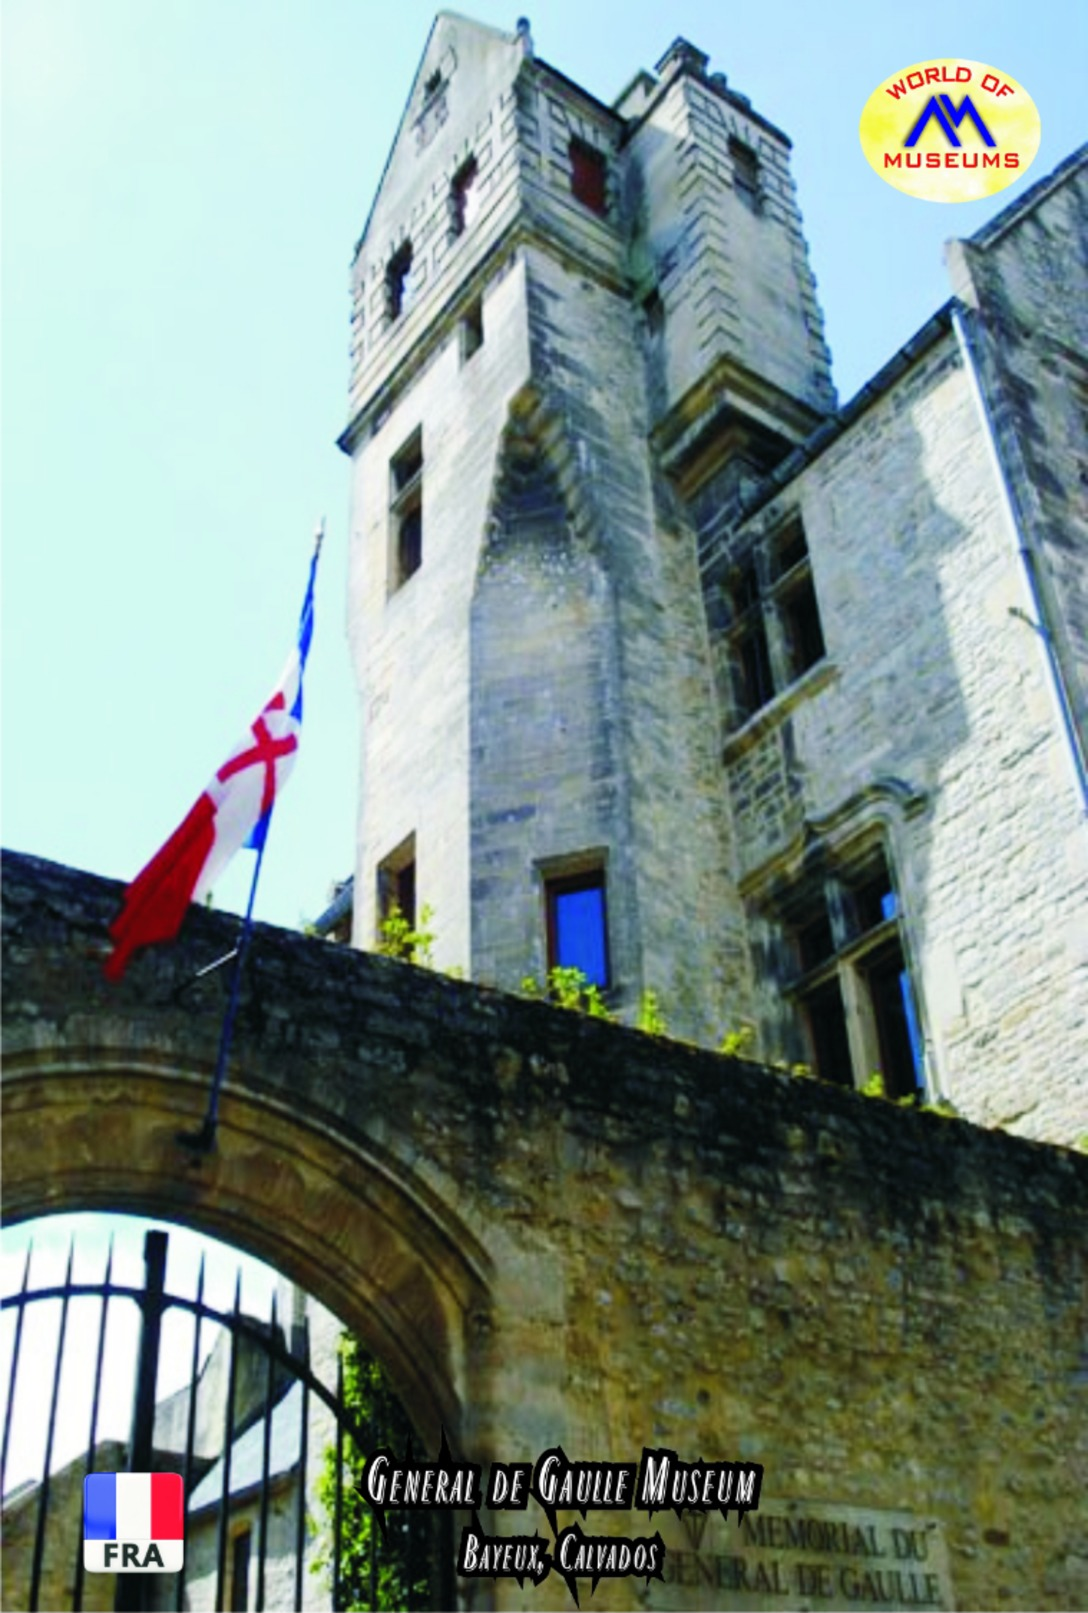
{"x": 182, "y": 186}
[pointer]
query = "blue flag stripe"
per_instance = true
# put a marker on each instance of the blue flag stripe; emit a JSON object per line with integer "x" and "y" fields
{"x": 100, "y": 1506}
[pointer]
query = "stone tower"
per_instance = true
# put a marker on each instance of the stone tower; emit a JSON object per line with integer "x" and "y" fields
{"x": 568, "y": 319}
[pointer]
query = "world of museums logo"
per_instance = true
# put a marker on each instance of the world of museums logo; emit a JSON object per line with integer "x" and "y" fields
{"x": 950, "y": 130}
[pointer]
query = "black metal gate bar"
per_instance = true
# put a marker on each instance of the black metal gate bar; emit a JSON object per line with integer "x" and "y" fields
{"x": 295, "y": 1361}
{"x": 228, "y": 1437}
{"x": 266, "y": 1461}
{"x": 103, "y": 1314}
{"x": 190, "y": 1416}
{"x": 300, "y": 1513}
{"x": 43, "y": 1493}
{"x": 339, "y": 1503}
{"x": 134, "y": 1591}
{"x": 21, "y": 1299}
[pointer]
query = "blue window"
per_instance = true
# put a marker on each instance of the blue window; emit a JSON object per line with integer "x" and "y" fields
{"x": 577, "y": 925}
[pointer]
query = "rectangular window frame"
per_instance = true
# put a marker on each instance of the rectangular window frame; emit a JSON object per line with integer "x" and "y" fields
{"x": 464, "y": 197}
{"x": 568, "y": 876}
{"x": 398, "y": 283}
{"x": 866, "y": 947}
{"x": 406, "y": 511}
{"x": 747, "y": 174}
{"x": 588, "y": 176}
{"x": 774, "y": 632}
{"x": 472, "y": 329}
{"x": 396, "y": 885}
{"x": 241, "y": 1555}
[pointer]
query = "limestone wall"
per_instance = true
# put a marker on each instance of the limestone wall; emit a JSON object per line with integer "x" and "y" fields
{"x": 1025, "y": 281}
{"x": 733, "y": 274}
{"x": 933, "y": 696}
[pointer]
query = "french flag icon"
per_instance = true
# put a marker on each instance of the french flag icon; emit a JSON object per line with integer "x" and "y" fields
{"x": 133, "y": 1523}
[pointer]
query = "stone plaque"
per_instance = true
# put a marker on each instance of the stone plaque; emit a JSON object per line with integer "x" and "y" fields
{"x": 796, "y": 1555}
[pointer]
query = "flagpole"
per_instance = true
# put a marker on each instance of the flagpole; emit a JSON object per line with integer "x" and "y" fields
{"x": 203, "y": 1141}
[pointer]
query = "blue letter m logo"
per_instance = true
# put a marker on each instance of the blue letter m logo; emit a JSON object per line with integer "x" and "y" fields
{"x": 949, "y": 120}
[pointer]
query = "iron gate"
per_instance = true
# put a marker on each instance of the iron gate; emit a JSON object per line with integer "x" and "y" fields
{"x": 259, "y": 1473}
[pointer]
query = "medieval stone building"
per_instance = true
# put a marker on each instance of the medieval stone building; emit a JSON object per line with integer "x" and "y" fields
{"x": 670, "y": 668}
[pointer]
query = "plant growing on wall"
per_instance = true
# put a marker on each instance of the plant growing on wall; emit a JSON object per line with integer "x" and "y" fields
{"x": 568, "y": 987}
{"x": 398, "y": 938}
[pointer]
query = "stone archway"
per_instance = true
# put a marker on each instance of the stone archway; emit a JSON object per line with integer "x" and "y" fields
{"x": 342, "y": 1222}
{"x": 320, "y": 1166}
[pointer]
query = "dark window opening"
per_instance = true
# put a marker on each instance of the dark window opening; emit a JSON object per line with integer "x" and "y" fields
{"x": 472, "y": 330}
{"x": 774, "y": 633}
{"x": 408, "y": 464}
{"x": 397, "y": 893}
{"x": 406, "y": 510}
{"x": 751, "y": 652}
{"x": 397, "y": 273}
{"x": 896, "y": 1024}
{"x": 791, "y": 549}
{"x": 654, "y": 312}
{"x": 814, "y": 942}
{"x": 464, "y": 197}
{"x": 433, "y": 85}
{"x": 577, "y": 925}
{"x": 852, "y": 984}
{"x": 239, "y": 1571}
{"x": 874, "y": 901}
{"x": 746, "y": 175}
{"x": 800, "y": 620}
{"x": 745, "y": 590}
{"x": 754, "y": 666}
{"x": 589, "y": 176}
{"x": 409, "y": 543}
{"x": 827, "y": 1030}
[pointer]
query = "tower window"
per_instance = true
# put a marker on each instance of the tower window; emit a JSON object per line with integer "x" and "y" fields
{"x": 397, "y": 885}
{"x": 653, "y": 310}
{"x": 406, "y": 511}
{"x": 464, "y": 197}
{"x": 398, "y": 294}
{"x": 472, "y": 330}
{"x": 577, "y": 921}
{"x": 746, "y": 175}
{"x": 589, "y": 176}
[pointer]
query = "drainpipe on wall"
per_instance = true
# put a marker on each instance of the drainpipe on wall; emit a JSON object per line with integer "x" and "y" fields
{"x": 962, "y": 320}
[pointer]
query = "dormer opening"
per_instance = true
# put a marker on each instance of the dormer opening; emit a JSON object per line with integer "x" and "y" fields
{"x": 747, "y": 181}
{"x": 464, "y": 199}
{"x": 397, "y": 276}
{"x": 589, "y": 176}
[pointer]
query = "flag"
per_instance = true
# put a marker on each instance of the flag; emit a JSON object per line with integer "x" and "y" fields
{"x": 133, "y": 1523}
{"x": 234, "y": 811}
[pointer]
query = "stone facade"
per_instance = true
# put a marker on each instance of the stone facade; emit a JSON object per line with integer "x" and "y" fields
{"x": 631, "y": 601}
{"x": 555, "y": 1230}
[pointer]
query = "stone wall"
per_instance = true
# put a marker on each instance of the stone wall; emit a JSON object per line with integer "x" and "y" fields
{"x": 558, "y": 1231}
{"x": 1024, "y": 279}
{"x": 63, "y": 1546}
{"x": 929, "y": 722}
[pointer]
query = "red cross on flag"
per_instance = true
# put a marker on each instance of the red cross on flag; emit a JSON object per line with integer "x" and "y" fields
{"x": 233, "y": 811}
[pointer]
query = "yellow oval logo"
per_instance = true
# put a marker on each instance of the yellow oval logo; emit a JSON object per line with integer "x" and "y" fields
{"x": 950, "y": 131}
